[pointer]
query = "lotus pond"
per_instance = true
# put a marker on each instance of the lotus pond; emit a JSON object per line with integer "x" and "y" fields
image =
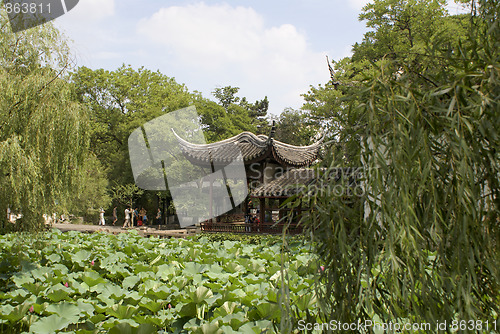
{"x": 98, "y": 283}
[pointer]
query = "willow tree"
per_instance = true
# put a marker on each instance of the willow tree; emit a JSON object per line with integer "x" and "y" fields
{"x": 421, "y": 243}
{"x": 43, "y": 137}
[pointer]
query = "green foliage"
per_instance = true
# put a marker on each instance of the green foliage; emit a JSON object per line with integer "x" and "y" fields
{"x": 421, "y": 244}
{"x": 91, "y": 189}
{"x": 129, "y": 284}
{"x": 43, "y": 129}
{"x": 401, "y": 29}
{"x": 119, "y": 102}
{"x": 296, "y": 127}
{"x": 218, "y": 124}
{"x": 245, "y": 116}
{"x": 254, "y": 239}
{"x": 226, "y": 96}
{"x": 126, "y": 194}
{"x": 412, "y": 36}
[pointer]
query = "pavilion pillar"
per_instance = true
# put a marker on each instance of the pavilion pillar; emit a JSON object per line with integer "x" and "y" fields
{"x": 245, "y": 207}
{"x": 262, "y": 213}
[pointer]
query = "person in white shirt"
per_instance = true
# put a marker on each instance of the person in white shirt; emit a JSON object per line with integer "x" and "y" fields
{"x": 101, "y": 217}
{"x": 127, "y": 217}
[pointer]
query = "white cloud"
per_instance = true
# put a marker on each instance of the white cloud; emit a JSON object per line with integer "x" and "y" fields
{"x": 223, "y": 42}
{"x": 457, "y": 8}
{"x": 89, "y": 10}
{"x": 221, "y": 32}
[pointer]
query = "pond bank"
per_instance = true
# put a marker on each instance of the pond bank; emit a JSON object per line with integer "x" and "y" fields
{"x": 147, "y": 231}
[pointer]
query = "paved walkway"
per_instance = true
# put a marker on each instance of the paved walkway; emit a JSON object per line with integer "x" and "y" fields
{"x": 144, "y": 230}
{"x": 88, "y": 228}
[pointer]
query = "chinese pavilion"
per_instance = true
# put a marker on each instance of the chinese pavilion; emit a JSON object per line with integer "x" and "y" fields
{"x": 267, "y": 163}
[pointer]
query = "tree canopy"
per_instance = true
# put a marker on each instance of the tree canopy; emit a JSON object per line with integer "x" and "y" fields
{"x": 244, "y": 115}
{"x": 43, "y": 128}
{"x": 119, "y": 102}
{"x": 122, "y": 100}
{"x": 416, "y": 107}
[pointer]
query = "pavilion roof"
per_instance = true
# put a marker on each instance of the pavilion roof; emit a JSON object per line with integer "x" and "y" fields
{"x": 253, "y": 148}
{"x": 292, "y": 182}
{"x": 306, "y": 181}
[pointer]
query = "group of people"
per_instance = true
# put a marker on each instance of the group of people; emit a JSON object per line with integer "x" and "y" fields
{"x": 251, "y": 219}
{"x": 133, "y": 217}
{"x": 136, "y": 217}
{"x": 49, "y": 219}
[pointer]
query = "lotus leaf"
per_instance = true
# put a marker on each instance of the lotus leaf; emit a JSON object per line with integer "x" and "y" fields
{"x": 130, "y": 282}
{"x": 121, "y": 283}
{"x": 152, "y": 305}
{"x": 82, "y": 257}
{"x": 92, "y": 278}
{"x": 13, "y": 314}
{"x": 50, "y": 324}
{"x": 58, "y": 292}
{"x": 65, "y": 310}
{"x": 18, "y": 295}
{"x": 126, "y": 328}
{"x": 122, "y": 311}
{"x": 192, "y": 268}
{"x": 233, "y": 267}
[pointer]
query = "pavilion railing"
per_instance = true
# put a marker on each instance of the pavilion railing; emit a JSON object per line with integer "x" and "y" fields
{"x": 249, "y": 228}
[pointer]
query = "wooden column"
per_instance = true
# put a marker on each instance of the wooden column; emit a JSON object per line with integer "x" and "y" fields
{"x": 262, "y": 213}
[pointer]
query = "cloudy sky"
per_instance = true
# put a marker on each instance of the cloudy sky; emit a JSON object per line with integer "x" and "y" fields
{"x": 268, "y": 48}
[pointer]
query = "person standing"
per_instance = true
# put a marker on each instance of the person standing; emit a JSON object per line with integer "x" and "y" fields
{"x": 101, "y": 217}
{"x": 128, "y": 213}
{"x": 115, "y": 216}
{"x": 158, "y": 217}
{"x": 135, "y": 216}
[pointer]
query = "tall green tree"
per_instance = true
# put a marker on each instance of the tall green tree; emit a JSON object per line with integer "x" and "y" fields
{"x": 91, "y": 190}
{"x": 421, "y": 242}
{"x": 119, "y": 102}
{"x": 218, "y": 124}
{"x": 244, "y": 115}
{"x": 43, "y": 128}
{"x": 122, "y": 100}
{"x": 296, "y": 128}
{"x": 416, "y": 34}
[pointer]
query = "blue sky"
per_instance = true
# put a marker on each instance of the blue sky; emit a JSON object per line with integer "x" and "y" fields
{"x": 268, "y": 48}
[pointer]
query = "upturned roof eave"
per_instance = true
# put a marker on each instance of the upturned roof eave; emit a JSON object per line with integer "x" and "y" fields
{"x": 268, "y": 147}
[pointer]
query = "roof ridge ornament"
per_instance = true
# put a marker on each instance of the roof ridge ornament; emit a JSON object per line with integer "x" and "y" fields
{"x": 270, "y": 138}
